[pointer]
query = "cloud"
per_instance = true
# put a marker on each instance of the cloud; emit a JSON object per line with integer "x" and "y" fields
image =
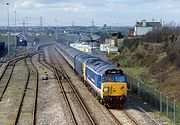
{"x": 26, "y": 4}
{"x": 54, "y": 1}
{"x": 22, "y": 4}
{"x": 72, "y": 7}
{"x": 123, "y": 12}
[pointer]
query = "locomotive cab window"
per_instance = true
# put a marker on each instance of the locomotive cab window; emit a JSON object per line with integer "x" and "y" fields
{"x": 119, "y": 79}
{"x": 107, "y": 79}
{"x": 114, "y": 76}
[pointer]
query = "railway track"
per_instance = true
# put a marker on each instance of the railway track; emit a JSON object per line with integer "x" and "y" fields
{"x": 101, "y": 109}
{"x": 136, "y": 108}
{"x": 56, "y": 66}
{"x": 71, "y": 96}
{"x": 18, "y": 105}
{"x": 6, "y": 76}
{"x": 27, "y": 109}
{"x": 123, "y": 116}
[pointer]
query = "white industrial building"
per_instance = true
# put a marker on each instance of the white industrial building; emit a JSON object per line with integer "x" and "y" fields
{"x": 103, "y": 47}
{"x": 108, "y": 49}
{"x": 143, "y": 27}
{"x": 81, "y": 47}
{"x": 110, "y": 42}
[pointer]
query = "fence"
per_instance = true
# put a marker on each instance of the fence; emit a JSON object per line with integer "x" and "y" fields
{"x": 162, "y": 103}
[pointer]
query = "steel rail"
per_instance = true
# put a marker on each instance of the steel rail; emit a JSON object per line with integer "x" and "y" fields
{"x": 132, "y": 118}
{"x": 45, "y": 64}
{"x": 33, "y": 121}
{"x": 115, "y": 119}
{"x": 111, "y": 114}
{"x": 57, "y": 74}
{"x": 141, "y": 109}
{"x": 55, "y": 71}
{"x": 9, "y": 78}
{"x": 8, "y": 63}
{"x": 20, "y": 105}
{"x": 36, "y": 94}
{"x": 62, "y": 70}
{"x": 78, "y": 96}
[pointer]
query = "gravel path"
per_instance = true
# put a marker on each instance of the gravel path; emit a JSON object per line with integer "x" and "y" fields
{"x": 50, "y": 107}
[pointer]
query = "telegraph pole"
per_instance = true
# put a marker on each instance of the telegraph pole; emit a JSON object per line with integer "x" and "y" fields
{"x": 91, "y": 36}
{"x": 15, "y": 18}
{"x": 92, "y": 28}
{"x": 23, "y": 27}
{"x": 41, "y": 24}
{"x": 56, "y": 30}
{"x": 15, "y": 30}
{"x": 72, "y": 26}
{"x": 26, "y": 28}
{"x": 8, "y": 26}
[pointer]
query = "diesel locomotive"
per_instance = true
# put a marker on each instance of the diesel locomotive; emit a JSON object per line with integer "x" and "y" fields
{"x": 105, "y": 81}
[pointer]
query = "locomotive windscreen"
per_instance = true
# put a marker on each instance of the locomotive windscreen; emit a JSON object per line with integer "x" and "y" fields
{"x": 114, "y": 72}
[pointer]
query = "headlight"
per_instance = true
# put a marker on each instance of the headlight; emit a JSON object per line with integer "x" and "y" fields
{"x": 122, "y": 87}
{"x": 106, "y": 90}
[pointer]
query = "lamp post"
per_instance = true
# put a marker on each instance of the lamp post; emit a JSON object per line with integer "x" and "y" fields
{"x": 15, "y": 19}
{"x": 91, "y": 36}
{"x": 8, "y": 26}
{"x": 56, "y": 30}
{"x": 26, "y": 28}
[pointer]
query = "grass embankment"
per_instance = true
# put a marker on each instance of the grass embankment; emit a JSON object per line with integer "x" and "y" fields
{"x": 136, "y": 72}
{"x": 151, "y": 64}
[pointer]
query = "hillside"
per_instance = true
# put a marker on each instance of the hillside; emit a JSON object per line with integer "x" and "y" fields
{"x": 153, "y": 59}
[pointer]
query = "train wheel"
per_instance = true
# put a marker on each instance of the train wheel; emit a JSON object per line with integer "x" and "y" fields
{"x": 101, "y": 101}
{"x": 106, "y": 105}
{"x": 89, "y": 88}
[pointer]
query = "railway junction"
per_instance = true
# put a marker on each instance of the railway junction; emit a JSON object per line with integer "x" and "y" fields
{"x": 42, "y": 89}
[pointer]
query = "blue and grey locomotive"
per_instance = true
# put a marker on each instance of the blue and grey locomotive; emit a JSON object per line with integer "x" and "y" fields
{"x": 106, "y": 82}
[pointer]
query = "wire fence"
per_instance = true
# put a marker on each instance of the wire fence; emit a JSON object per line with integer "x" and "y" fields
{"x": 156, "y": 99}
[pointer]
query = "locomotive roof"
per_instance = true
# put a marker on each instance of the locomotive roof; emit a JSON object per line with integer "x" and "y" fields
{"x": 84, "y": 58}
{"x": 100, "y": 66}
{"x": 70, "y": 50}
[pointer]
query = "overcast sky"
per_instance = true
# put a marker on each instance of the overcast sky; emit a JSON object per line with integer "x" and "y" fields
{"x": 82, "y": 12}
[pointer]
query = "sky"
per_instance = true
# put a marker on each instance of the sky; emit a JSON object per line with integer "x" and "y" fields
{"x": 82, "y": 12}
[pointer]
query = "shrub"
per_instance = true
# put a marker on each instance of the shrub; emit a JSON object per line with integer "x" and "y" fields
{"x": 162, "y": 35}
{"x": 160, "y": 66}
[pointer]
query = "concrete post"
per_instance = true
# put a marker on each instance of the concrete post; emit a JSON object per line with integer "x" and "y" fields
{"x": 167, "y": 106}
{"x": 138, "y": 89}
{"x": 160, "y": 102}
{"x": 174, "y": 111}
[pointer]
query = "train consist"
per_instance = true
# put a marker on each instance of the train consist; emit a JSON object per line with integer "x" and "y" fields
{"x": 105, "y": 81}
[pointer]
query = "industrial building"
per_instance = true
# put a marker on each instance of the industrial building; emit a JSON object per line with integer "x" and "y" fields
{"x": 108, "y": 49}
{"x": 143, "y": 27}
{"x": 82, "y": 47}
